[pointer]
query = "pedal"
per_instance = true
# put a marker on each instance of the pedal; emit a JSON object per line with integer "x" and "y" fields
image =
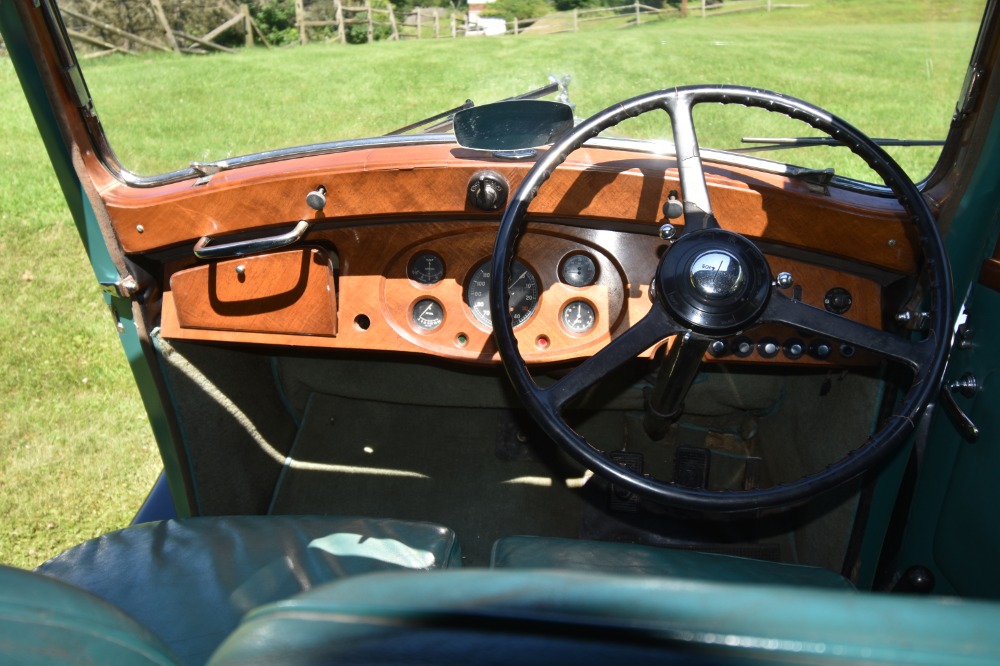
{"x": 620, "y": 499}
{"x": 691, "y": 465}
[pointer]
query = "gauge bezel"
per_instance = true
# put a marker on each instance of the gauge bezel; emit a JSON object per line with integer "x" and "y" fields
{"x": 418, "y": 255}
{"x": 570, "y": 257}
{"x": 481, "y": 314}
{"x": 593, "y": 317}
{"x": 415, "y": 319}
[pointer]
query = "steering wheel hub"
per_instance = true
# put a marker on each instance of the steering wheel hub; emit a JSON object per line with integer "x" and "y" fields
{"x": 716, "y": 274}
{"x": 714, "y": 281}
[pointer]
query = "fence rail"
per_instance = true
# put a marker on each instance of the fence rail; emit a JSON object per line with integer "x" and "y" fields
{"x": 335, "y": 20}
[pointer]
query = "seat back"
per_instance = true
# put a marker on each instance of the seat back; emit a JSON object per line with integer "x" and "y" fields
{"x": 190, "y": 581}
{"x": 543, "y": 617}
{"x": 45, "y": 621}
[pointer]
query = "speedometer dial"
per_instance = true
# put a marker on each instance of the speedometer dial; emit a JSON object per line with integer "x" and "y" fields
{"x": 523, "y": 290}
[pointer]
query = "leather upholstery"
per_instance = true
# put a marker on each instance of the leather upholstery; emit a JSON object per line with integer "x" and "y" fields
{"x": 525, "y": 552}
{"x": 544, "y": 617}
{"x": 190, "y": 581}
{"x": 45, "y": 621}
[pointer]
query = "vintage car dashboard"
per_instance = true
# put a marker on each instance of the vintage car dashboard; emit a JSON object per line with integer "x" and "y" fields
{"x": 397, "y": 257}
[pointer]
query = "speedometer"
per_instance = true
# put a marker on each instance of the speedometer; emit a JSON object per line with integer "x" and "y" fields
{"x": 523, "y": 290}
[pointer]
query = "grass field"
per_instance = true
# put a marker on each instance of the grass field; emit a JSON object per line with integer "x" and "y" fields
{"x": 76, "y": 453}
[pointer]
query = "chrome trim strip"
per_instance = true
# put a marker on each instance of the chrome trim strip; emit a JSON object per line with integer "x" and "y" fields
{"x": 199, "y": 169}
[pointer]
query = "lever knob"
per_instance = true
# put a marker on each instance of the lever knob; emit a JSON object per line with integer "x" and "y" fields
{"x": 317, "y": 198}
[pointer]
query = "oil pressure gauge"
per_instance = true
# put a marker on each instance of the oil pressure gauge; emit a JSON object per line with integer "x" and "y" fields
{"x": 427, "y": 314}
{"x": 578, "y": 316}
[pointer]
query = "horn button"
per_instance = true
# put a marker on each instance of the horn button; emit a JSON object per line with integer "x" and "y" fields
{"x": 714, "y": 281}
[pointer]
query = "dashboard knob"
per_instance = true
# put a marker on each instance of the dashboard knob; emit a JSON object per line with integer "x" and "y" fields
{"x": 317, "y": 198}
{"x": 673, "y": 208}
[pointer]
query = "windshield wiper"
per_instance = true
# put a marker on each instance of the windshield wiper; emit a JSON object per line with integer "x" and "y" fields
{"x": 780, "y": 143}
{"x": 554, "y": 86}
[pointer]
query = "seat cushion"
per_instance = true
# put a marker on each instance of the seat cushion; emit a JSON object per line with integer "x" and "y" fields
{"x": 507, "y": 616}
{"x": 190, "y": 581}
{"x": 45, "y": 621}
{"x": 525, "y": 552}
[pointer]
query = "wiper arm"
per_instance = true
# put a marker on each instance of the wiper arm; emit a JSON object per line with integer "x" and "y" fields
{"x": 780, "y": 143}
{"x": 447, "y": 116}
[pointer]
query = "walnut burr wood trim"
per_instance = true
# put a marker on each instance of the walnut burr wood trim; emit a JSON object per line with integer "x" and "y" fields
{"x": 290, "y": 292}
{"x": 594, "y": 186}
{"x": 376, "y": 297}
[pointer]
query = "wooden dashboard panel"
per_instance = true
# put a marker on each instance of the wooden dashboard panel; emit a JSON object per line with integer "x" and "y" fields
{"x": 376, "y": 298}
{"x": 594, "y": 186}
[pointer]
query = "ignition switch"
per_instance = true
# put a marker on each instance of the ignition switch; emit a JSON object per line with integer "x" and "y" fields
{"x": 487, "y": 190}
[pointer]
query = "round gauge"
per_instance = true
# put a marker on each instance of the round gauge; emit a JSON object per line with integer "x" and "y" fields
{"x": 578, "y": 316}
{"x": 425, "y": 268}
{"x": 427, "y": 314}
{"x": 523, "y": 290}
{"x": 578, "y": 270}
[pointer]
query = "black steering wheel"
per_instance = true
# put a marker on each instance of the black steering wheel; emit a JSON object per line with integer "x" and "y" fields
{"x": 699, "y": 304}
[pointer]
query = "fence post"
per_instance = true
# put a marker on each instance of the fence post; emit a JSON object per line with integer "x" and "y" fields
{"x": 574, "y": 20}
{"x": 419, "y": 13}
{"x": 392, "y": 22}
{"x": 684, "y": 8}
{"x": 638, "y": 18}
{"x": 437, "y": 25}
{"x": 703, "y": 8}
{"x": 515, "y": 26}
{"x": 300, "y": 19}
{"x": 247, "y": 25}
{"x": 165, "y": 24}
{"x": 454, "y": 28}
{"x": 339, "y": 16}
{"x": 368, "y": 13}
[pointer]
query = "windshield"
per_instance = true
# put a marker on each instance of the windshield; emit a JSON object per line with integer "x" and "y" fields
{"x": 893, "y": 68}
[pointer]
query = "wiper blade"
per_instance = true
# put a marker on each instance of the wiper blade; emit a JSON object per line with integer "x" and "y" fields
{"x": 450, "y": 113}
{"x": 447, "y": 116}
{"x": 784, "y": 143}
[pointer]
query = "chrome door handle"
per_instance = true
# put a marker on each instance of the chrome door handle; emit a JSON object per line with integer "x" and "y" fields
{"x": 967, "y": 386}
{"x": 202, "y": 250}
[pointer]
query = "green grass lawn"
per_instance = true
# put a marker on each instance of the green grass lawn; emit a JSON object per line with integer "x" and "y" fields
{"x": 76, "y": 453}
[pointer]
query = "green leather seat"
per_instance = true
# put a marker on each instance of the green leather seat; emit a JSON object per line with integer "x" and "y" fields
{"x": 190, "y": 581}
{"x": 506, "y": 616}
{"x": 525, "y": 552}
{"x": 45, "y": 621}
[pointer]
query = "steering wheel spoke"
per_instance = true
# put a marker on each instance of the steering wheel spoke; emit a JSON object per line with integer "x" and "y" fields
{"x": 783, "y": 310}
{"x": 697, "y": 206}
{"x": 648, "y": 331}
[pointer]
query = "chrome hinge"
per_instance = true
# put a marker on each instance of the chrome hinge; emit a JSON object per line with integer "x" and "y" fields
{"x": 125, "y": 287}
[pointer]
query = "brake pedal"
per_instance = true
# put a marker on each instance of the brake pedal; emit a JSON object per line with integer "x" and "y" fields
{"x": 620, "y": 499}
{"x": 691, "y": 465}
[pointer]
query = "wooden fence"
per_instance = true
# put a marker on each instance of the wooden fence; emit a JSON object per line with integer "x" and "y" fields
{"x": 733, "y": 6}
{"x": 334, "y": 20}
{"x": 109, "y": 38}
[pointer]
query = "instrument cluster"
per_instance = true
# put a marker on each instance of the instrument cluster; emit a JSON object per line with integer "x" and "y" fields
{"x": 564, "y": 293}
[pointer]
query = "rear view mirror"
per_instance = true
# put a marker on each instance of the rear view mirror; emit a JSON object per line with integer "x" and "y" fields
{"x": 512, "y": 125}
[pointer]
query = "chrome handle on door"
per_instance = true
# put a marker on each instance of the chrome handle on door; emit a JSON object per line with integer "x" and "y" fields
{"x": 202, "y": 250}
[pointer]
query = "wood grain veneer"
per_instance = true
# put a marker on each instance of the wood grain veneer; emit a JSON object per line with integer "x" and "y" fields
{"x": 290, "y": 292}
{"x": 376, "y": 297}
{"x": 594, "y": 185}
